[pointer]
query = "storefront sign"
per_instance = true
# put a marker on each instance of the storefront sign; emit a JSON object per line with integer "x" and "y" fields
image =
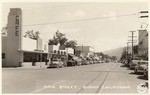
{"x": 17, "y": 26}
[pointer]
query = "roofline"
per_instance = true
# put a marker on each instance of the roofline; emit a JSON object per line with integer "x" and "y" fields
{"x": 32, "y": 51}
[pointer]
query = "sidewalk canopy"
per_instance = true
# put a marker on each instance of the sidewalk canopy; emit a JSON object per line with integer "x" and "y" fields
{"x": 88, "y": 58}
{"x": 73, "y": 56}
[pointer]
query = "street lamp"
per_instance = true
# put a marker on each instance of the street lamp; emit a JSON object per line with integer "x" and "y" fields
{"x": 142, "y": 25}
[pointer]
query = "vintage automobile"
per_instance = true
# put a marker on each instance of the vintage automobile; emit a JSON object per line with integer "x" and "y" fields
{"x": 128, "y": 62}
{"x": 71, "y": 62}
{"x": 141, "y": 65}
{"x": 78, "y": 61}
{"x": 85, "y": 61}
{"x": 57, "y": 63}
{"x": 145, "y": 71}
{"x": 89, "y": 60}
{"x": 133, "y": 63}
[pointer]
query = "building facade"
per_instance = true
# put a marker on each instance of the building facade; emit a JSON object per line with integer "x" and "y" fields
{"x": 12, "y": 42}
{"x": 143, "y": 44}
{"x": 84, "y": 51}
{"x": 16, "y": 49}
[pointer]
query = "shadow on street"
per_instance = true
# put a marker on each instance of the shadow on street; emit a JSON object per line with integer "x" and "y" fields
{"x": 122, "y": 66}
{"x": 135, "y": 73}
{"x": 129, "y": 69}
{"x": 142, "y": 77}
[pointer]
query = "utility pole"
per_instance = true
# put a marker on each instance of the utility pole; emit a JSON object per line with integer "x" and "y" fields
{"x": 82, "y": 48}
{"x": 127, "y": 51}
{"x": 128, "y": 48}
{"x": 132, "y": 41}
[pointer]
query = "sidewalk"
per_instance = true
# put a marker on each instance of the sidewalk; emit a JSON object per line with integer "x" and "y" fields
{"x": 28, "y": 65}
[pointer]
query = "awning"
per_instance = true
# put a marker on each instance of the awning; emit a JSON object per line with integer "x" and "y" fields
{"x": 32, "y": 51}
{"x": 88, "y": 58}
{"x": 73, "y": 56}
{"x": 96, "y": 58}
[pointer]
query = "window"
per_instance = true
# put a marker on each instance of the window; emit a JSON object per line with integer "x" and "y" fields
{"x": 64, "y": 53}
{"x": 58, "y": 52}
{"x": 54, "y": 51}
{"x": 61, "y": 52}
{"x": 3, "y": 55}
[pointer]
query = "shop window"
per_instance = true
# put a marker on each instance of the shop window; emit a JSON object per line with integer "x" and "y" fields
{"x": 61, "y": 52}
{"x": 64, "y": 53}
{"x": 3, "y": 55}
{"x": 58, "y": 52}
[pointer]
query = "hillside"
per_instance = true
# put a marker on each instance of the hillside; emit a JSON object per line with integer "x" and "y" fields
{"x": 115, "y": 52}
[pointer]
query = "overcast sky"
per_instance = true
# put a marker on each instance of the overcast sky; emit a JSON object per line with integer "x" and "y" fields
{"x": 102, "y": 34}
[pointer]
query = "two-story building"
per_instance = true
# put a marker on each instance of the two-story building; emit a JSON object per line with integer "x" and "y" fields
{"x": 84, "y": 51}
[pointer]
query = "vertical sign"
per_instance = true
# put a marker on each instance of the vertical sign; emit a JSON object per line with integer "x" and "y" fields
{"x": 17, "y": 25}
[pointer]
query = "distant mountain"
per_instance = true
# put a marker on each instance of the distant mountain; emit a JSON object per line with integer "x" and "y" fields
{"x": 114, "y": 52}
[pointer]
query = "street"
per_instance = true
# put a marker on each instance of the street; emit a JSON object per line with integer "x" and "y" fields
{"x": 94, "y": 78}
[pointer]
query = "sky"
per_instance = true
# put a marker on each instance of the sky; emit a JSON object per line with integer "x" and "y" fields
{"x": 102, "y": 34}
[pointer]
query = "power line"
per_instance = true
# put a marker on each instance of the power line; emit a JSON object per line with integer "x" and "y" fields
{"x": 80, "y": 20}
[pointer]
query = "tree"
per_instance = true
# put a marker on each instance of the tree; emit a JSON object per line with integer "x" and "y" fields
{"x": 124, "y": 53}
{"x": 114, "y": 58}
{"x": 61, "y": 38}
{"x": 32, "y": 35}
{"x": 4, "y": 31}
{"x": 101, "y": 54}
{"x": 53, "y": 41}
{"x": 71, "y": 43}
{"x": 58, "y": 38}
{"x": 63, "y": 41}
{"x": 135, "y": 49}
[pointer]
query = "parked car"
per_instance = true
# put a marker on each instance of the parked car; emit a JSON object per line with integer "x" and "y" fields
{"x": 99, "y": 61}
{"x": 133, "y": 64}
{"x": 85, "y": 61}
{"x": 107, "y": 61}
{"x": 57, "y": 63}
{"x": 78, "y": 61}
{"x": 102, "y": 61}
{"x": 91, "y": 62}
{"x": 94, "y": 60}
{"x": 141, "y": 65}
{"x": 71, "y": 62}
{"x": 145, "y": 71}
{"x": 127, "y": 63}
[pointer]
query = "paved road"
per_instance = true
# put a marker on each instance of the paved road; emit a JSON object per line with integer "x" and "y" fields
{"x": 95, "y": 78}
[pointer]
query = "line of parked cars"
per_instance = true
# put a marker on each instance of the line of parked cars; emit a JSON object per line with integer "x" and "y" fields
{"x": 139, "y": 66}
{"x": 73, "y": 61}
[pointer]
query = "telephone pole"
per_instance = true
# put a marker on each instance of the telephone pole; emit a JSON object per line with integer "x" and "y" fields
{"x": 132, "y": 41}
{"x": 127, "y": 51}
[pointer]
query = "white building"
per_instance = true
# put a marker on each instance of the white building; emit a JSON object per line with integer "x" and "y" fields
{"x": 16, "y": 49}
